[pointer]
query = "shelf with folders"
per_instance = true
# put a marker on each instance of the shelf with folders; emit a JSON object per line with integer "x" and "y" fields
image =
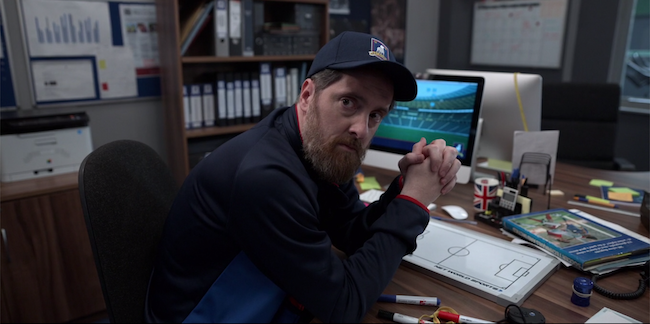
{"x": 269, "y": 28}
{"x": 239, "y": 93}
{"x": 218, "y": 130}
{"x": 304, "y": 23}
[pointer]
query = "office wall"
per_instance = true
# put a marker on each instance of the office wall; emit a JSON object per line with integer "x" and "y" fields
{"x": 438, "y": 34}
{"x": 140, "y": 120}
{"x": 592, "y": 53}
{"x": 421, "y": 44}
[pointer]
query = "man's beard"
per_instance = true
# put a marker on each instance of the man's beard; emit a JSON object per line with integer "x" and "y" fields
{"x": 328, "y": 160}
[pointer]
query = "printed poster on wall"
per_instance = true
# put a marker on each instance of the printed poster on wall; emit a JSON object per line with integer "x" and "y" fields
{"x": 139, "y": 32}
{"x": 66, "y": 28}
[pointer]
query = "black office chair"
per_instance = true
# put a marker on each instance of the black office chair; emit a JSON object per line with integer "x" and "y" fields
{"x": 126, "y": 192}
{"x": 586, "y": 114}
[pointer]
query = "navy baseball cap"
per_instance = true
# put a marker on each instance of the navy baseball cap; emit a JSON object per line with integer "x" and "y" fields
{"x": 351, "y": 50}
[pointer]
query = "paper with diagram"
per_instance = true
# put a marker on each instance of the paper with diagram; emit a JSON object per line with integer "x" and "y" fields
{"x": 492, "y": 268}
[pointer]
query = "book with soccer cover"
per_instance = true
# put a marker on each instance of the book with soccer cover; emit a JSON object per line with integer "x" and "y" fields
{"x": 581, "y": 241}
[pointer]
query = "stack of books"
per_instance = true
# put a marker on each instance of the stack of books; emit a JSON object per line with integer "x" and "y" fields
{"x": 585, "y": 241}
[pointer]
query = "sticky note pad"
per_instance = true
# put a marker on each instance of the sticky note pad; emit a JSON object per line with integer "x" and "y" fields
{"x": 592, "y": 198}
{"x": 600, "y": 183}
{"x": 622, "y": 190}
{"x": 370, "y": 183}
{"x": 102, "y": 64}
{"x": 501, "y": 165}
{"x": 620, "y": 196}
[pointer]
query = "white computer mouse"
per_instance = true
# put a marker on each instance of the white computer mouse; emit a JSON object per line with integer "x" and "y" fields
{"x": 456, "y": 212}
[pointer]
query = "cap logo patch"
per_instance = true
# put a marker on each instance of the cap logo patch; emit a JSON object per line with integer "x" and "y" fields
{"x": 379, "y": 50}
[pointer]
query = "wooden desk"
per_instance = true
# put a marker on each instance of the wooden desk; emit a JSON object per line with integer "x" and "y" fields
{"x": 552, "y": 298}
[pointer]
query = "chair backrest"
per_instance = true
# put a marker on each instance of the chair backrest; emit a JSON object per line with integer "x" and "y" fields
{"x": 586, "y": 114}
{"x": 126, "y": 192}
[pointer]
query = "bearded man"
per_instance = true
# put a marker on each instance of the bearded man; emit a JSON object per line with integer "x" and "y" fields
{"x": 250, "y": 235}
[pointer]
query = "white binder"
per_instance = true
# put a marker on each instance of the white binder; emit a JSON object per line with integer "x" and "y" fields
{"x": 230, "y": 99}
{"x": 295, "y": 85}
{"x": 186, "y": 107}
{"x": 239, "y": 102}
{"x": 222, "y": 43}
{"x": 280, "y": 85}
{"x": 222, "y": 115}
{"x": 255, "y": 97}
{"x": 246, "y": 93}
{"x": 207, "y": 95}
{"x": 196, "y": 106}
{"x": 235, "y": 27}
{"x": 266, "y": 88}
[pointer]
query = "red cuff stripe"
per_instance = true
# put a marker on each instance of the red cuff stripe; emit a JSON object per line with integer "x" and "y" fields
{"x": 409, "y": 198}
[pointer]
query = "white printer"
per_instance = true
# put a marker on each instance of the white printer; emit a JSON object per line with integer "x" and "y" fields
{"x": 35, "y": 144}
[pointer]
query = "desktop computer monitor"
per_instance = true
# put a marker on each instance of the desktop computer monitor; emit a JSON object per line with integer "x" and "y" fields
{"x": 501, "y": 114}
{"x": 447, "y": 107}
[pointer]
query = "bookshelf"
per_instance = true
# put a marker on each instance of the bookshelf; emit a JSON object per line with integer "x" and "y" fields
{"x": 201, "y": 65}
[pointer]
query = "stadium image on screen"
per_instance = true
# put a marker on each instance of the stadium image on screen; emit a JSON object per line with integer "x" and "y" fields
{"x": 441, "y": 109}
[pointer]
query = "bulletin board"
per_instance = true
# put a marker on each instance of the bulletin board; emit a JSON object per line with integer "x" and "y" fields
{"x": 7, "y": 94}
{"x": 91, "y": 50}
{"x": 519, "y": 33}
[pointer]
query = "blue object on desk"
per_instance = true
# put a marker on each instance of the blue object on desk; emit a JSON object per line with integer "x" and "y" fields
{"x": 582, "y": 291}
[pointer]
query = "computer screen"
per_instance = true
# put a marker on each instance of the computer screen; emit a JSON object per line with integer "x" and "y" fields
{"x": 501, "y": 114}
{"x": 446, "y": 107}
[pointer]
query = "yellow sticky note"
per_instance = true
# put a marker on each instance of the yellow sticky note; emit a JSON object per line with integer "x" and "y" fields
{"x": 620, "y": 196}
{"x": 102, "y": 64}
{"x": 370, "y": 183}
{"x": 622, "y": 190}
{"x": 592, "y": 198}
{"x": 600, "y": 183}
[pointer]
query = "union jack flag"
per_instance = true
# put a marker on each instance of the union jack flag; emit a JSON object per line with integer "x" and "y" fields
{"x": 483, "y": 194}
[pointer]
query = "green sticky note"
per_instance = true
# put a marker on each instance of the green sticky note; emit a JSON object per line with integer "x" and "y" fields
{"x": 600, "y": 183}
{"x": 500, "y": 165}
{"x": 623, "y": 190}
{"x": 592, "y": 198}
{"x": 370, "y": 183}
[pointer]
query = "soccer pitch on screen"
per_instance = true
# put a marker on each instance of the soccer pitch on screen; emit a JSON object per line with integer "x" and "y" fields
{"x": 413, "y": 135}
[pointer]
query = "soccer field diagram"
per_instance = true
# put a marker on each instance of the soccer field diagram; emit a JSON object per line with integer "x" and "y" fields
{"x": 481, "y": 262}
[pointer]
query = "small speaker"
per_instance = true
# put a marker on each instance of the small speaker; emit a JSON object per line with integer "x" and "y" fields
{"x": 645, "y": 209}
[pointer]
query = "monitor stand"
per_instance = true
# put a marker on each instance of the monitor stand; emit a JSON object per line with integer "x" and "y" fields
{"x": 477, "y": 142}
{"x": 381, "y": 159}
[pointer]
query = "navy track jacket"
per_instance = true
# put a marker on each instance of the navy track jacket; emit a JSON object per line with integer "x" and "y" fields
{"x": 253, "y": 226}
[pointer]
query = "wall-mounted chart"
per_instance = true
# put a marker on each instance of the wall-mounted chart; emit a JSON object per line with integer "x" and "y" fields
{"x": 108, "y": 50}
{"x": 518, "y": 33}
{"x": 66, "y": 28}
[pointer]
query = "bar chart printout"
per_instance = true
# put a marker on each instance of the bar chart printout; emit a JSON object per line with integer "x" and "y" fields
{"x": 64, "y": 28}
